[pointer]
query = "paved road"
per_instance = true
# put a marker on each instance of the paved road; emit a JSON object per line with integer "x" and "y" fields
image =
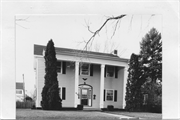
{"x": 28, "y": 114}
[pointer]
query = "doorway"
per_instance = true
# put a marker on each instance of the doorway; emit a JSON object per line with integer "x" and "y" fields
{"x": 85, "y": 95}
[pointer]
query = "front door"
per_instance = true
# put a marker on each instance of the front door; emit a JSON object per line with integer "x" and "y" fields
{"x": 85, "y": 93}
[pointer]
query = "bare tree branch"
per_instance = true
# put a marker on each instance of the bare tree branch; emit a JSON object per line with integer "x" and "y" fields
{"x": 115, "y": 28}
{"x": 21, "y": 26}
{"x": 23, "y": 19}
{"x": 97, "y": 31}
{"x": 130, "y": 23}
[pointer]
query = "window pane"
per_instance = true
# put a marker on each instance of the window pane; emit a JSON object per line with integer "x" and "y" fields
{"x": 18, "y": 91}
{"x": 109, "y": 95}
{"x": 110, "y": 71}
{"x": 85, "y": 69}
{"x": 110, "y": 98}
{"x": 85, "y": 66}
{"x": 59, "y": 66}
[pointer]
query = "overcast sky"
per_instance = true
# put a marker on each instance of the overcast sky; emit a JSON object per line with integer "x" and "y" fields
{"x": 69, "y": 31}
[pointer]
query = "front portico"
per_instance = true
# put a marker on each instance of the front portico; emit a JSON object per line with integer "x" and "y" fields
{"x": 93, "y": 90}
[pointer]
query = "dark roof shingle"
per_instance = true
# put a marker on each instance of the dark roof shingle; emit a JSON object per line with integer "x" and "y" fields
{"x": 38, "y": 50}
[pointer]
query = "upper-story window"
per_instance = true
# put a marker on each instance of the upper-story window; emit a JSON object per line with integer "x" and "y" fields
{"x": 59, "y": 66}
{"x": 110, "y": 71}
{"x": 85, "y": 69}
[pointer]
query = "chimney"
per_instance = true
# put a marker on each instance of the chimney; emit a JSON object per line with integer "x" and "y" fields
{"x": 115, "y": 52}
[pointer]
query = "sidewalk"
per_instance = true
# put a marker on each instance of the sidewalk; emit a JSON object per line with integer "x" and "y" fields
{"x": 122, "y": 117}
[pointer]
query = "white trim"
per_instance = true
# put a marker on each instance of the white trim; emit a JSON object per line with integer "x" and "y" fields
{"x": 92, "y": 61}
{"x": 102, "y": 86}
{"x": 38, "y": 56}
{"x": 37, "y": 86}
{"x": 60, "y": 88}
{"x": 76, "y": 85}
{"x": 124, "y": 86}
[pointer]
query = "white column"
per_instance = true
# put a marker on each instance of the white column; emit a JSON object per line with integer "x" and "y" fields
{"x": 102, "y": 86}
{"x": 76, "y": 84}
{"x": 124, "y": 86}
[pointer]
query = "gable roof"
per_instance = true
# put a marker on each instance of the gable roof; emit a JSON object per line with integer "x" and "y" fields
{"x": 19, "y": 85}
{"x": 38, "y": 50}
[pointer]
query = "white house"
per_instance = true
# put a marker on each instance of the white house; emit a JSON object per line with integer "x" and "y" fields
{"x": 92, "y": 79}
{"x": 19, "y": 91}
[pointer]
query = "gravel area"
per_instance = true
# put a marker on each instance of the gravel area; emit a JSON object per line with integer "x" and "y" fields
{"x": 28, "y": 114}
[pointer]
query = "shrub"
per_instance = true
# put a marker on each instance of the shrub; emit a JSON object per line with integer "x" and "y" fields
{"x": 110, "y": 107}
{"x": 80, "y": 107}
{"x": 27, "y": 104}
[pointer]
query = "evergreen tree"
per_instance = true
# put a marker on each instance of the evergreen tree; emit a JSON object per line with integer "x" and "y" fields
{"x": 151, "y": 60}
{"x": 151, "y": 55}
{"x": 50, "y": 92}
{"x": 134, "y": 97}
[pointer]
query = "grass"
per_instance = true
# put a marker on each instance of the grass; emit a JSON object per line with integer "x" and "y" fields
{"x": 28, "y": 114}
{"x": 144, "y": 115}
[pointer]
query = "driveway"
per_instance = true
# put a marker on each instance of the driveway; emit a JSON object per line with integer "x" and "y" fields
{"x": 28, "y": 114}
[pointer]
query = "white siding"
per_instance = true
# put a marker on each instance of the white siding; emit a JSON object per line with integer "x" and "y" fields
{"x": 94, "y": 81}
{"x": 40, "y": 80}
{"x": 67, "y": 81}
{"x": 115, "y": 84}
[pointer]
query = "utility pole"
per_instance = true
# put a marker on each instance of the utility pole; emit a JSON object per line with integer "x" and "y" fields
{"x": 24, "y": 88}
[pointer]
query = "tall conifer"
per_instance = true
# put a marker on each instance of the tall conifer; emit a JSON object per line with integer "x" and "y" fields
{"x": 50, "y": 92}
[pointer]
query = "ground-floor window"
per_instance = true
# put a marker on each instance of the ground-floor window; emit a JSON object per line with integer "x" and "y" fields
{"x": 62, "y": 93}
{"x": 19, "y": 91}
{"x": 110, "y": 95}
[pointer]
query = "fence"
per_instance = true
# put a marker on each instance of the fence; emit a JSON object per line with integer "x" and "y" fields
{"x": 27, "y": 104}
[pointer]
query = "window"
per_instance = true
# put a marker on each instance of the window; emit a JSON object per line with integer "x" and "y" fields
{"x": 62, "y": 93}
{"x": 109, "y": 95}
{"x": 59, "y": 66}
{"x": 85, "y": 69}
{"x": 145, "y": 99}
{"x": 110, "y": 71}
{"x": 18, "y": 91}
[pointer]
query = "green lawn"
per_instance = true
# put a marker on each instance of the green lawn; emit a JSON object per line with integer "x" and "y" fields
{"x": 144, "y": 115}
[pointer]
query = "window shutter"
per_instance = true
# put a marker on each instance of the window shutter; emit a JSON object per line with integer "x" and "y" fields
{"x": 116, "y": 72}
{"x": 104, "y": 94}
{"x": 64, "y": 67}
{"x": 115, "y": 95}
{"x": 63, "y": 93}
{"x": 105, "y": 71}
{"x": 91, "y": 70}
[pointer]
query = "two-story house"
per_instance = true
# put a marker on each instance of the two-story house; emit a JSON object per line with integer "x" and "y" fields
{"x": 92, "y": 79}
